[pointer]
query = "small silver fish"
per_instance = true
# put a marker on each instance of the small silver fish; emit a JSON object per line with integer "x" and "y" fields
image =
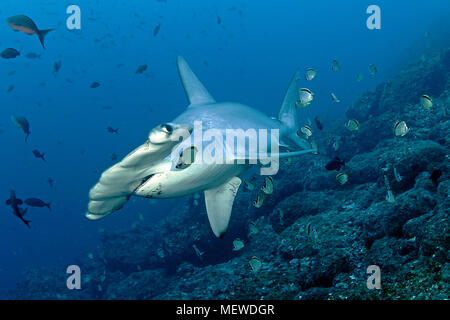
{"x": 310, "y": 74}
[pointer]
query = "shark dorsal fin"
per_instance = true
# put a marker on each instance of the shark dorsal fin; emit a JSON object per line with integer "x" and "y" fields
{"x": 195, "y": 91}
{"x": 219, "y": 202}
{"x": 288, "y": 111}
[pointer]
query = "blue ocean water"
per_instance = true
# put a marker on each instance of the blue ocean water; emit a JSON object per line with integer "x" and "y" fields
{"x": 249, "y": 57}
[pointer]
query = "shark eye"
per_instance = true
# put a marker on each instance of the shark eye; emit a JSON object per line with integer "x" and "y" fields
{"x": 167, "y": 128}
{"x": 161, "y": 134}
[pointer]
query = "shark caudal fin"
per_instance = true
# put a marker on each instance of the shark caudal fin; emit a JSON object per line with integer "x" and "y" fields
{"x": 288, "y": 113}
{"x": 194, "y": 89}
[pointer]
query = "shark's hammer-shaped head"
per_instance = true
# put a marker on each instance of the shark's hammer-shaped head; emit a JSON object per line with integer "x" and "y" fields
{"x": 169, "y": 164}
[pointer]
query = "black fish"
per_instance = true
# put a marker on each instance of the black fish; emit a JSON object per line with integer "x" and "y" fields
{"x": 14, "y": 203}
{"x": 156, "y": 30}
{"x": 22, "y": 123}
{"x": 95, "y": 85}
{"x": 318, "y": 123}
{"x": 435, "y": 175}
{"x": 57, "y": 66}
{"x": 10, "y": 53}
{"x": 219, "y": 21}
{"x": 50, "y": 182}
{"x": 34, "y": 202}
{"x": 141, "y": 69}
{"x": 335, "y": 164}
{"x": 32, "y": 55}
{"x": 37, "y": 154}
{"x": 112, "y": 130}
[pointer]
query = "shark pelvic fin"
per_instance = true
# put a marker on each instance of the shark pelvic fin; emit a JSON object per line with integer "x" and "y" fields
{"x": 195, "y": 91}
{"x": 288, "y": 110}
{"x": 219, "y": 202}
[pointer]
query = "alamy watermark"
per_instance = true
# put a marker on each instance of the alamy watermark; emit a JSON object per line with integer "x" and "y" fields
{"x": 73, "y": 22}
{"x": 74, "y": 280}
{"x": 374, "y": 280}
{"x": 374, "y": 20}
{"x": 228, "y": 146}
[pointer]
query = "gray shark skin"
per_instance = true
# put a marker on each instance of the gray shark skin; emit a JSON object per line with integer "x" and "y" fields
{"x": 156, "y": 170}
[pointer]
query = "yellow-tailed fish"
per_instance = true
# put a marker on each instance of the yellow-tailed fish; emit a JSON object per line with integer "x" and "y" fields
{"x": 255, "y": 264}
{"x": 305, "y": 132}
{"x": 342, "y": 178}
{"x": 305, "y": 98}
{"x": 259, "y": 200}
{"x": 400, "y": 128}
{"x": 268, "y": 185}
{"x": 253, "y": 229}
{"x": 250, "y": 185}
{"x": 310, "y": 74}
{"x": 352, "y": 125}
{"x": 238, "y": 244}
{"x": 426, "y": 101}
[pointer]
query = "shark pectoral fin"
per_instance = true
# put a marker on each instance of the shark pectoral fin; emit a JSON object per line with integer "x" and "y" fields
{"x": 195, "y": 91}
{"x": 219, "y": 202}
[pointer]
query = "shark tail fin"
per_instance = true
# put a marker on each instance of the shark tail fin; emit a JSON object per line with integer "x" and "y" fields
{"x": 288, "y": 113}
{"x": 194, "y": 89}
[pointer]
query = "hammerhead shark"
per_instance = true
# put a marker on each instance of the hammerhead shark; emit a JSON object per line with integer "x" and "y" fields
{"x": 176, "y": 158}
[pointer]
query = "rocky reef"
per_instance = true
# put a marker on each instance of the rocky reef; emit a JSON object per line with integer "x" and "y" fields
{"x": 314, "y": 237}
